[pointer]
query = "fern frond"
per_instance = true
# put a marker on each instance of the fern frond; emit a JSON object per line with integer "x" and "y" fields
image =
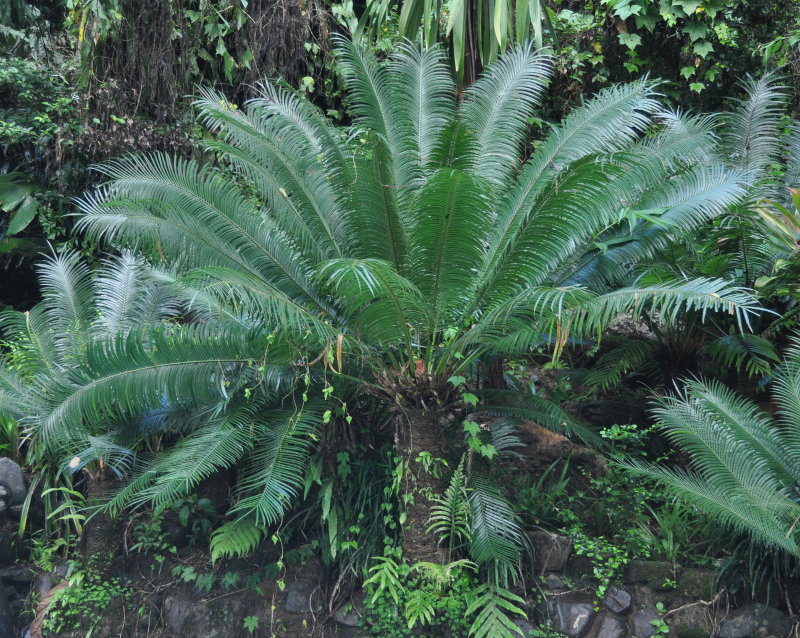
{"x": 235, "y": 538}
{"x": 496, "y": 538}
{"x": 494, "y": 606}
{"x": 748, "y": 352}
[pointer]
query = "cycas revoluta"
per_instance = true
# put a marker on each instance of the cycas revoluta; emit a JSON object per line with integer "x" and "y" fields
{"x": 745, "y": 464}
{"x": 399, "y": 252}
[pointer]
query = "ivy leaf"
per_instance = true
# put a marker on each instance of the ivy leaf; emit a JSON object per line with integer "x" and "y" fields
{"x": 471, "y": 427}
{"x": 489, "y": 451}
{"x": 689, "y": 6}
{"x": 630, "y": 40}
{"x": 457, "y": 380}
{"x": 625, "y": 11}
{"x": 250, "y": 623}
{"x": 703, "y": 48}
{"x": 470, "y": 398}
{"x": 695, "y": 29}
{"x": 688, "y": 71}
{"x": 646, "y": 21}
{"x": 697, "y": 86}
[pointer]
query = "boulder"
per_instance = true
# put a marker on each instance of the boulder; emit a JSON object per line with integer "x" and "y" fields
{"x": 350, "y": 615}
{"x": 617, "y": 600}
{"x": 569, "y": 614}
{"x": 756, "y": 621}
{"x": 655, "y": 573}
{"x": 302, "y": 596}
{"x": 692, "y": 621}
{"x": 607, "y": 625}
{"x": 553, "y": 582}
{"x": 11, "y": 478}
{"x": 697, "y": 584}
{"x": 604, "y": 413}
{"x": 551, "y": 551}
{"x": 640, "y": 623}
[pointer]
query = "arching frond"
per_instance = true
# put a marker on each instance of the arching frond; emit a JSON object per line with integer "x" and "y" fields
{"x": 751, "y": 138}
{"x": 126, "y": 297}
{"x": 496, "y": 538}
{"x": 449, "y": 226}
{"x": 275, "y": 470}
{"x": 381, "y": 305}
{"x": 743, "y": 466}
{"x": 496, "y": 111}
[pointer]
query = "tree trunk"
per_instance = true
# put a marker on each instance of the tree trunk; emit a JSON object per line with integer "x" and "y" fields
{"x": 420, "y": 431}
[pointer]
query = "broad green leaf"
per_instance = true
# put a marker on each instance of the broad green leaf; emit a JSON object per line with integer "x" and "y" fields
{"x": 23, "y": 216}
{"x": 703, "y": 48}
{"x": 630, "y": 40}
{"x": 695, "y": 29}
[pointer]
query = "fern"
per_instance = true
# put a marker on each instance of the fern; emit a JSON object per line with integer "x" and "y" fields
{"x": 494, "y": 607}
{"x": 385, "y": 578}
{"x": 448, "y": 518}
{"x": 235, "y": 538}
{"x": 419, "y": 607}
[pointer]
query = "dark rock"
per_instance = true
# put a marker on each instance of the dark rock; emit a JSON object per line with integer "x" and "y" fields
{"x": 692, "y": 621}
{"x": 604, "y": 413}
{"x": 640, "y": 623}
{"x": 17, "y": 576}
{"x": 756, "y": 621}
{"x": 553, "y": 582}
{"x": 606, "y": 625}
{"x": 221, "y": 618}
{"x": 551, "y": 551}
{"x": 569, "y": 614}
{"x": 60, "y": 570}
{"x": 696, "y": 583}
{"x": 350, "y": 614}
{"x": 302, "y": 596}
{"x": 524, "y": 628}
{"x": 43, "y": 583}
{"x": 353, "y": 632}
{"x": 617, "y": 600}
{"x": 6, "y": 616}
{"x": 643, "y": 596}
{"x": 217, "y": 490}
{"x": 177, "y": 611}
{"x": 12, "y": 479}
{"x": 655, "y": 573}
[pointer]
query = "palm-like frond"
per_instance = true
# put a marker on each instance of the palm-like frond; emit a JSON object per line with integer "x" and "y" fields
{"x": 496, "y": 538}
{"x": 126, "y": 375}
{"x": 496, "y": 111}
{"x": 744, "y": 466}
{"x": 273, "y": 475}
{"x": 751, "y": 140}
{"x": 751, "y": 353}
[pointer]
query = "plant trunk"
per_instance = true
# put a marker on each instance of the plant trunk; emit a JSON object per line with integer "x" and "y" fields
{"x": 420, "y": 431}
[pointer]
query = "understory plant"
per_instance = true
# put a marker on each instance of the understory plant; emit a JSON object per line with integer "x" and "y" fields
{"x": 312, "y": 270}
{"x": 744, "y": 462}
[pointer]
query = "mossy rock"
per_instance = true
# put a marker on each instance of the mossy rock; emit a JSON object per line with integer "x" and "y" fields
{"x": 655, "y": 573}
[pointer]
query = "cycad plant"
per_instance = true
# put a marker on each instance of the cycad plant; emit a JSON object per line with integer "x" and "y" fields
{"x": 736, "y": 246}
{"x": 392, "y": 257}
{"x": 745, "y": 464}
